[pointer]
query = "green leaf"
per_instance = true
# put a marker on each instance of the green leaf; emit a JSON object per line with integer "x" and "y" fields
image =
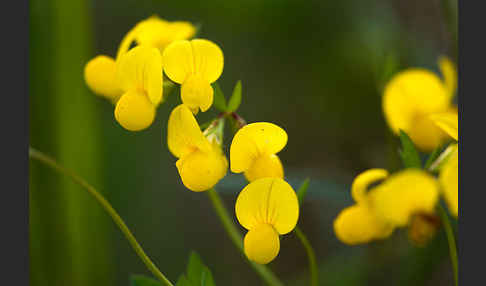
{"x": 183, "y": 281}
{"x": 195, "y": 269}
{"x": 207, "y": 278}
{"x": 409, "y": 154}
{"x": 197, "y": 274}
{"x": 140, "y": 280}
{"x": 303, "y": 190}
{"x": 235, "y": 99}
{"x": 219, "y": 100}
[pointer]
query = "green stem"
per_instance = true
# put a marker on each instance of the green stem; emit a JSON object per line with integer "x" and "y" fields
{"x": 265, "y": 273}
{"x": 35, "y": 154}
{"x": 451, "y": 240}
{"x": 314, "y": 273}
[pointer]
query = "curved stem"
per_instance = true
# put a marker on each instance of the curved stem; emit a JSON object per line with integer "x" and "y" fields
{"x": 451, "y": 240}
{"x": 37, "y": 155}
{"x": 314, "y": 273}
{"x": 265, "y": 273}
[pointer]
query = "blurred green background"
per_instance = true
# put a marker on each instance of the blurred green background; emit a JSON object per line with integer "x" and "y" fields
{"x": 316, "y": 68}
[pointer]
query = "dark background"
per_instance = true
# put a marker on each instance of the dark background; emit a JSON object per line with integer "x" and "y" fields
{"x": 316, "y": 68}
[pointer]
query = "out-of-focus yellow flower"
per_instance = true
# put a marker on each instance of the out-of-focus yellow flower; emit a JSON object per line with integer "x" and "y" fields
{"x": 156, "y": 32}
{"x": 195, "y": 65}
{"x": 449, "y": 74}
{"x": 253, "y": 151}
{"x": 139, "y": 76}
{"x": 403, "y": 195}
{"x": 99, "y": 74}
{"x": 358, "y": 223}
{"x": 448, "y": 179}
{"x": 201, "y": 161}
{"x": 448, "y": 122}
{"x": 449, "y": 172}
{"x": 411, "y": 96}
{"x": 395, "y": 202}
{"x": 267, "y": 208}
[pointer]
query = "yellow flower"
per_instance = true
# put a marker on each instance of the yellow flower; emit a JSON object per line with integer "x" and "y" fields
{"x": 448, "y": 122}
{"x": 156, "y": 32}
{"x": 403, "y": 195}
{"x": 358, "y": 223}
{"x": 201, "y": 161}
{"x": 449, "y": 172}
{"x": 99, "y": 74}
{"x": 253, "y": 151}
{"x": 413, "y": 95}
{"x": 195, "y": 65}
{"x": 139, "y": 76}
{"x": 448, "y": 179}
{"x": 267, "y": 208}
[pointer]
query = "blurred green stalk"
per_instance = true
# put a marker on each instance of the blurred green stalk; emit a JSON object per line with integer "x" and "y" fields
{"x": 451, "y": 240}
{"x": 314, "y": 272}
{"x": 37, "y": 155}
{"x": 68, "y": 234}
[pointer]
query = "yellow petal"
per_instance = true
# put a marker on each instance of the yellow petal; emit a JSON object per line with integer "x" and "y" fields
{"x": 267, "y": 165}
{"x": 159, "y": 33}
{"x": 363, "y": 180}
{"x": 254, "y": 140}
{"x": 448, "y": 122}
{"x": 141, "y": 69}
{"x": 156, "y": 32}
{"x": 200, "y": 171}
{"x": 134, "y": 111}
{"x": 426, "y": 134}
{"x": 409, "y": 98}
{"x": 181, "y": 30}
{"x": 184, "y": 58}
{"x": 197, "y": 93}
{"x": 268, "y": 201}
{"x": 448, "y": 179}
{"x": 184, "y": 134}
{"x": 178, "y": 61}
{"x": 449, "y": 73}
{"x": 126, "y": 42}
{"x": 208, "y": 59}
{"x": 262, "y": 244}
{"x": 99, "y": 74}
{"x": 357, "y": 224}
{"x": 403, "y": 195}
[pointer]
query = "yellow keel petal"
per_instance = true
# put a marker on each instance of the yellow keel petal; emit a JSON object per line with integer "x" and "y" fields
{"x": 262, "y": 244}
{"x": 134, "y": 111}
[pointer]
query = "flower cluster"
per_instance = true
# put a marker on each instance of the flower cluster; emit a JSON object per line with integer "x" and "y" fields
{"x": 133, "y": 81}
{"x": 267, "y": 207}
{"x": 417, "y": 102}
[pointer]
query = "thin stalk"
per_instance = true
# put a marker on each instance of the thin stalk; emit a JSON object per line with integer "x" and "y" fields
{"x": 265, "y": 273}
{"x": 451, "y": 240}
{"x": 37, "y": 155}
{"x": 314, "y": 272}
